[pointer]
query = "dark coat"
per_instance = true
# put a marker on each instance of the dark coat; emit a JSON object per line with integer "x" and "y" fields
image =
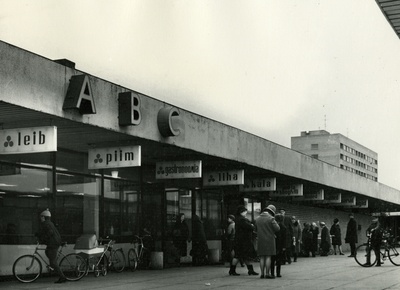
{"x": 297, "y": 233}
{"x": 266, "y": 226}
{"x": 280, "y": 239}
{"x": 244, "y": 247}
{"x": 351, "y": 231}
{"x": 180, "y": 236}
{"x": 315, "y": 232}
{"x": 49, "y": 235}
{"x": 336, "y": 234}
{"x": 325, "y": 239}
{"x": 287, "y": 221}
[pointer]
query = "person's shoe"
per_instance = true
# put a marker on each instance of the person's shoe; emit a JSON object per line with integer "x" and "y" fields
{"x": 61, "y": 280}
{"x": 251, "y": 270}
{"x": 262, "y": 276}
{"x": 341, "y": 254}
{"x": 232, "y": 271}
{"x": 351, "y": 256}
{"x": 279, "y": 275}
{"x": 269, "y": 277}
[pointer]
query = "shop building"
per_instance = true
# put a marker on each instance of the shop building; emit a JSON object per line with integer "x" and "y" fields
{"x": 338, "y": 150}
{"x": 110, "y": 161}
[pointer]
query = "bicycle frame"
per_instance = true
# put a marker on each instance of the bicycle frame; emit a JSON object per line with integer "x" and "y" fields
{"x": 37, "y": 254}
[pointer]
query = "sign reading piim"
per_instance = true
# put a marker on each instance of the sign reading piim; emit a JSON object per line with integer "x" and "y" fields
{"x": 114, "y": 157}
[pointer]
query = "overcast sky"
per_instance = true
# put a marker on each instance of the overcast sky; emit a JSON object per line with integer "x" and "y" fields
{"x": 271, "y": 68}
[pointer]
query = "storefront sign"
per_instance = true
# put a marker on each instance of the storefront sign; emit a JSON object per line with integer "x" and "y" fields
{"x": 228, "y": 177}
{"x": 114, "y": 157}
{"x": 258, "y": 184}
{"x": 360, "y": 203}
{"x": 332, "y": 198}
{"x": 178, "y": 169}
{"x": 348, "y": 200}
{"x": 28, "y": 140}
{"x": 311, "y": 196}
{"x": 288, "y": 191}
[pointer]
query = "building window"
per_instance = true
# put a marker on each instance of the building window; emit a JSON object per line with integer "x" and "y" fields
{"x": 314, "y": 156}
{"x": 314, "y": 146}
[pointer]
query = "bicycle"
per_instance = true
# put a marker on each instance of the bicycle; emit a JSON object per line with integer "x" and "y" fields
{"x": 116, "y": 258}
{"x": 139, "y": 255}
{"x": 100, "y": 263}
{"x": 28, "y": 268}
{"x": 390, "y": 248}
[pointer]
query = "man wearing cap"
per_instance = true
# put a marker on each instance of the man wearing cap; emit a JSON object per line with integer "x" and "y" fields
{"x": 325, "y": 240}
{"x": 266, "y": 226}
{"x": 351, "y": 234}
{"x": 49, "y": 236}
{"x": 375, "y": 232}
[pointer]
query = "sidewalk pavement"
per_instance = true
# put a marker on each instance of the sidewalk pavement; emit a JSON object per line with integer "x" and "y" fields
{"x": 332, "y": 272}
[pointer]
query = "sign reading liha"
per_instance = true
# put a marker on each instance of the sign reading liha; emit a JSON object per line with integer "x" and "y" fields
{"x": 225, "y": 177}
{"x": 311, "y": 196}
{"x": 288, "y": 191}
{"x": 258, "y": 184}
{"x": 178, "y": 169}
{"x": 114, "y": 157}
{"x": 28, "y": 140}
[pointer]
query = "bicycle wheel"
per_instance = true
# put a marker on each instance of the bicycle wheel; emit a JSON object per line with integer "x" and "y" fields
{"x": 394, "y": 255}
{"x": 117, "y": 260}
{"x": 361, "y": 256}
{"x": 27, "y": 268}
{"x": 73, "y": 266}
{"x": 132, "y": 260}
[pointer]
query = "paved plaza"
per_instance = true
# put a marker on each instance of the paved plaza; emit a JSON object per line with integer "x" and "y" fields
{"x": 332, "y": 272}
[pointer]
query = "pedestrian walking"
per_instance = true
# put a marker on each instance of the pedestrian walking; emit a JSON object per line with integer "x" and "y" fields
{"x": 244, "y": 248}
{"x": 336, "y": 235}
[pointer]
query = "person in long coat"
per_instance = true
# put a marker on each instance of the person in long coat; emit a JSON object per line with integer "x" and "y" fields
{"x": 266, "y": 228}
{"x": 199, "y": 242}
{"x": 336, "y": 236}
{"x": 244, "y": 248}
{"x": 351, "y": 234}
{"x": 297, "y": 233}
{"x": 280, "y": 241}
{"x": 325, "y": 240}
{"x": 287, "y": 221}
{"x": 315, "y": 232}
{"x": 181, "y": 235}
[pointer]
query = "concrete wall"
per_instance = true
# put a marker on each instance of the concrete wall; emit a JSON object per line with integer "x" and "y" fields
{"x": 34, "y": 82}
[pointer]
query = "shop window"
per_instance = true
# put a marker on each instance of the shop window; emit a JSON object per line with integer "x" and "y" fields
{"x": 208, "y": 208}
{"x": 24, "y": 193}
{"x": 77, "y": 201}
{"x": 121, "y": 205}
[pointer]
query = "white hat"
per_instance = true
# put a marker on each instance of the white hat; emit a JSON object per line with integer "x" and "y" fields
{"x": 46, "y": 213}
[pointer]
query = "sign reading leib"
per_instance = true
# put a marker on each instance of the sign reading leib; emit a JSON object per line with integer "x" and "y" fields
{"x": 28, "y": 140}
{"x": 312, "y": 196}
{"x": 178, "y": 169}
{"x": 258, "y": 184}
{"x": 114, "y": 157}
{"x": 288, "y": 190}
{"x": 225, "y": 177}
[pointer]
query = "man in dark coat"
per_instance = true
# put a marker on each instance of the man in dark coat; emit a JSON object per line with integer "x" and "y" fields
{"x": 199, "y": 242}
{"x": 351, "y": 234}
{"x": 290, "y": 239}
{"x": 49, "y": 235}
{"x": 325, "y": 240}
{"x": 181, "y": 235}
{"x": 244, "y": 248}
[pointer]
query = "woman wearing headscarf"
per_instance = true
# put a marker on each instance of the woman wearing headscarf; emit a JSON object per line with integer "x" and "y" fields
{"x": 244, "y": 248}
{"x": 266, "y": 228}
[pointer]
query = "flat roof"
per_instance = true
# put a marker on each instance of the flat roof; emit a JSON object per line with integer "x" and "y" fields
{"x": 391, "y": 10}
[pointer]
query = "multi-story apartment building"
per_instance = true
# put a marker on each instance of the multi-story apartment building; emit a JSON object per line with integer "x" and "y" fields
{"x": 338, "y": 150}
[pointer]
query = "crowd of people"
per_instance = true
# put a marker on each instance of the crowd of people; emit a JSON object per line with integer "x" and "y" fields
{"x": 280, "y": 239}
